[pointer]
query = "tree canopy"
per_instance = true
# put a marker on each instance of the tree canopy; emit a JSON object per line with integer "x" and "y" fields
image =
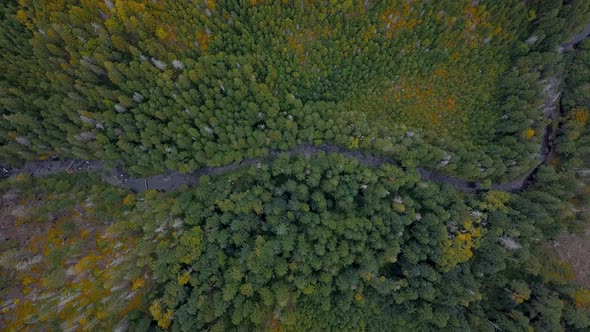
{"x": 482, "y": 90}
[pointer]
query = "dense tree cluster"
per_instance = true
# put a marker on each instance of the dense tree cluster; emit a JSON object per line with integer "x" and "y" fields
{"x": 293, "y": 244}
{"x": 572, "y": 156}
{"x": 312, "y": 243}
{"x": 178, "y": 85}
{"x": 573, "y": 135}
{"x": 326, "y": 243}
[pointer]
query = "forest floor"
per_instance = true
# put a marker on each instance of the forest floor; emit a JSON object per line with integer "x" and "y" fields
{"x": 25, "y": 234}
{"x": 16, "y": 234}
{"x": 12, "y": 229}
{"x": 575, "y": 39}
{"x": 574, "y": 250}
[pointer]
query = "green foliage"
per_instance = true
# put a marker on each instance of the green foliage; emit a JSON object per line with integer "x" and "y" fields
{"x": 572, "y": 156}
{"x": 166, "y": 85}
{"x": 297, "y": 243}
{"x": 262, "y": 247}
{"x": 302, "y": 244}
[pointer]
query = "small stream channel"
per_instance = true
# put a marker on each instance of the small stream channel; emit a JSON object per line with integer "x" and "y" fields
{"x": 171, "y": 181}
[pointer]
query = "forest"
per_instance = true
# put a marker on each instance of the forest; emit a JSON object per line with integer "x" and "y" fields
{"x": 485, "y": 92}
{"x": 453, "y": 85}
